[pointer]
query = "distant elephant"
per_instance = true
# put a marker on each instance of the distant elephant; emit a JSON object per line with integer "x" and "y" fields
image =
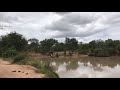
{"x": 51, "y": 53}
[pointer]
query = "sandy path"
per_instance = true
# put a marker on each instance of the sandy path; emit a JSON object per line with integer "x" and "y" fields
{"x": 8, "y": 70}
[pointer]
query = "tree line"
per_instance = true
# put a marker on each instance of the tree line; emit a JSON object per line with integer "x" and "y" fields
{"x": 16, "y": 41}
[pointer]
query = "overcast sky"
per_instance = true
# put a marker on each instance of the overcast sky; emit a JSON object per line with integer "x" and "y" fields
{"x": 84, "y": 26}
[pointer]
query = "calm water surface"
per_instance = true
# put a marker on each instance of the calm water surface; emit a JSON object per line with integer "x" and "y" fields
{"x": 87, "y": 67}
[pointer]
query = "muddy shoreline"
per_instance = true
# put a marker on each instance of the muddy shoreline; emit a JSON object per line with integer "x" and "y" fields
{"x": 8, "y": 70}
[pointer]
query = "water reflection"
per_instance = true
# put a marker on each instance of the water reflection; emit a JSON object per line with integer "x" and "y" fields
{"x": 72, "y": 66}
{"x": 89, "y": 67}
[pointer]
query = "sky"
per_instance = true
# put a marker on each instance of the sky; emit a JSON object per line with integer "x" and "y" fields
{"x": 84, "y": 26}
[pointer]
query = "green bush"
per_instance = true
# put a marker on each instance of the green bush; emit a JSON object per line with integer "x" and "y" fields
{"x": 36, "y": 64}
{"x": 9, "y": 54}
{"x": 99, "y": 52}
{"x": 0, "y": 53}
{"x": 83, "y": 51}
{"x": 49, "y": 73}
{"x": 44, "y": 67}
{"x": 112, "y": 51}
{"x": 39, "y": 64}
{"x": 18, "y": 58}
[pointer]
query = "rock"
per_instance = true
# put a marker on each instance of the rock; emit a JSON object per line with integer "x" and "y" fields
{"x": 13, "y": 71}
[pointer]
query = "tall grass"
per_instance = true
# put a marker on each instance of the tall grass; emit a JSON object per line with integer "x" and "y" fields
{"x": 42, "y": 66}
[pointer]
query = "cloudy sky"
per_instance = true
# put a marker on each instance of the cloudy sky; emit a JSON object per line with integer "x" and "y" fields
{"x": 84, "y": 26}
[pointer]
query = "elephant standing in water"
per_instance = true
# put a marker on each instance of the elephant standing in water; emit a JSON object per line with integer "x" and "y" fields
{"x": 52, "y": 54}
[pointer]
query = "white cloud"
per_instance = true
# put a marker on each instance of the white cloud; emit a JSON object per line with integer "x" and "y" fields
{"x": 85, "y": 26}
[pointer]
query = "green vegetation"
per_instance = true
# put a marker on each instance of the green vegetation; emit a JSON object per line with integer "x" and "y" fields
{"x": 15, "y": 47}
{"x": 47, "y": 45}
{"x": 99, "y": 52}
{"x": 34, "y": 45}
{"x": 13, "y": 43}
{"x": 71, "y": 44}
{"x": 42, "y": 66}
{"x": 13, "y": 40}
{"x": 9, "y": 53}
{"x": 101, "y": 48}
{"x": 49, "y": 72}
{"x": 18, "y": 58}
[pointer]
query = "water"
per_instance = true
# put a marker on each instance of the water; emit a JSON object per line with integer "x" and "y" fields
{"x": 87, "y": 67}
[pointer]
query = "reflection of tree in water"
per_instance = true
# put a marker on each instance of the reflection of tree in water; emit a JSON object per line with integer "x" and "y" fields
{"x": 93, "y": 62}
{"x": 72, "y": 65}
{"x": 58, "y": 63}
{"x": 98, "y": 68}
{"x": 55, "y": 68}
{"x": 103, "y": 61}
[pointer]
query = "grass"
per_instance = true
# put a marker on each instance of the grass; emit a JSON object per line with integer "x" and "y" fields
{"x": 49, "y": 72}
{"x": 42, "y": 66}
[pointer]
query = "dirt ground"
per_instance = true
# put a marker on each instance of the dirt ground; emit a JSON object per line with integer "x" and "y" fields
{"x": 8, "y": 70}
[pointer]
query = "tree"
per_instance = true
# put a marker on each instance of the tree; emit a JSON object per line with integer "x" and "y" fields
{"x": 83, "y": 48}
{"x": 71, "y": 44}
{"x": 34, "y": 45}
{"x": 118, "y": 49}
{"x": 99, "y": 52}
{"x": 100, "y": 48}
{"x": 59, "y": 47}
{"x": 33, "y": 40}
{"x": 13, "y": 40}
{"x": 47, "y": 45}
{"x": 109, "y": 43}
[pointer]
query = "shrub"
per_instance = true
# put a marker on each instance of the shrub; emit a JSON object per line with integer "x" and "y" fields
{"x": 44, "y": 67}
{"x": 36, "y": 64}
{"x": 83, "y": 51}
{"x": 99, "y": 52}
{"x": 9, "y": 53}
{"x": 112, "y": 51}
{"x": 39, "y": 64}
{"x": 0, "y": 53}
{"x": 49, "y": 73}
{"x": 18, "y": 58}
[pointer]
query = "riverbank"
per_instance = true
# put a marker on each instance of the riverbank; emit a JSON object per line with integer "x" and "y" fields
{"x": 67, "y": 57}
{"x": 39, "y": 67}
{"x": 8, "y": 70}
{"x": 61, "y": 56}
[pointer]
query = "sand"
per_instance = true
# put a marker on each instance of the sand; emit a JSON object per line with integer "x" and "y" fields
{"x": 8, "y": 70}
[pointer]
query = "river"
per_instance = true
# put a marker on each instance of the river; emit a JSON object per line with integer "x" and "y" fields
{"x": 87, "y": 67}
